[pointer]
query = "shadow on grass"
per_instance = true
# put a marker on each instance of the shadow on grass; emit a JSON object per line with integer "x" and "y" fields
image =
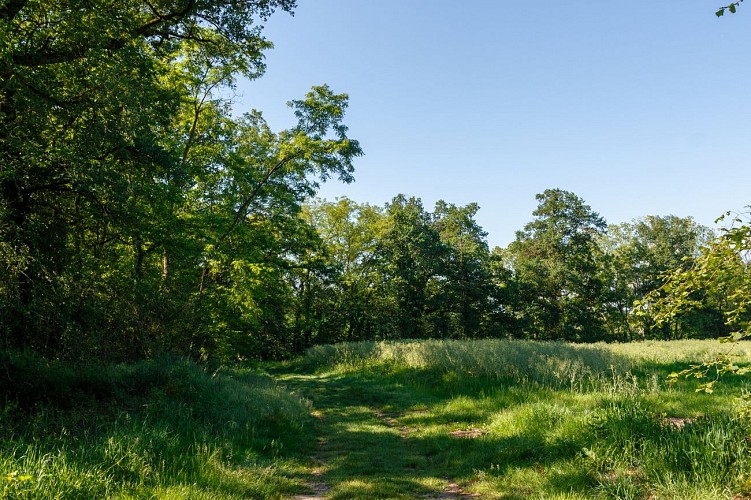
{"x": 152, "y": 429}
{"x": 409, "y": 433}
{"x": 375, "y": 444}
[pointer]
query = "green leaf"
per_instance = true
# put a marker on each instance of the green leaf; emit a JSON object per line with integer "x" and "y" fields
{"x": 707, "y": 388}
{"x": 720, "y": 12}
{"x": 732, "y": 8}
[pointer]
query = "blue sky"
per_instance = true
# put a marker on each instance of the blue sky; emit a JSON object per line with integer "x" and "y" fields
{"x": 640, "y": 108}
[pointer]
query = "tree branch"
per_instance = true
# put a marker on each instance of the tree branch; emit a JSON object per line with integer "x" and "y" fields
{"x": 731, "y": 7}
{"x": 242, "y": 211}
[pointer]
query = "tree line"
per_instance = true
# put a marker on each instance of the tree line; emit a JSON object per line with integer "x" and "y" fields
{"x": 139, "y": 214}
{"x": 400, "y": 271}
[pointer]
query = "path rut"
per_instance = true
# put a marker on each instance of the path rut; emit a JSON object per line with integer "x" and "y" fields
{"x": 365, "y": 449}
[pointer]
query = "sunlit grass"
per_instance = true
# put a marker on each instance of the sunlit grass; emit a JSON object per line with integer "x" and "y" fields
{"x": 515, "y": 419}
{"x": 498, "y": 418}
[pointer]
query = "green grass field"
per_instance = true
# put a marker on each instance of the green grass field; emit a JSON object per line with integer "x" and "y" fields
{"x": 423, "y": 419}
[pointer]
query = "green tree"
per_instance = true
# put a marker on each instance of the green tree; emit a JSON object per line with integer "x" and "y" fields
{"x": 259, "y": 185}
{"x": 638, "y": 254}
{"x": 721, "y": 271}
{"x": 351, "y": 234}
{"x": 557, "y": 263}
{"x": 719, "y": 274}
{"x": 505, "y": 298}
{"x": 402, "y": 271}
{"x": 410, "y": 255}
{"x": 464, "y": 290}
{"x": 136, "y": 213}
{"x": 88, "y": 93}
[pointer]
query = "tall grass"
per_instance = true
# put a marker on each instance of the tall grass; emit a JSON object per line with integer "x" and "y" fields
{"x": 551, "y": 420}
{"x": 634, "y": 451}
{"x": 556, "y": 365}
{"x": 141, "y": 430}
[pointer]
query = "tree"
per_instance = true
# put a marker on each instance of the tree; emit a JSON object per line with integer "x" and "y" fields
{"x": 136, "y": 213}
{"x": 638, "y": 254}
{"x": 351, "y": 233}
{"x": 260, "y": 183}
{"x": 556, "y": 261}
{"x": 721, "y": 270}
{"x": 505, "y": 297}
{"x": 465, "y": 288}
{"x": 410, "y": 255}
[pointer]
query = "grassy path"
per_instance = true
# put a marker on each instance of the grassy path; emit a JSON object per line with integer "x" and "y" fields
{"x": 371, "y": 443}
{"x": 553, "y": 422}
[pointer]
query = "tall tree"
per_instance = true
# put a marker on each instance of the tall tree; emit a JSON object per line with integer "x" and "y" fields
{"x": 557, "y": 263}
{"x": 259, "y": 183}
{"x": 351, "y": 233}
{"x": 466, "y": 286}
{"x": 505, "y": 301}
{"x": 135, "y": 212}
{"x": 410, "y": 254}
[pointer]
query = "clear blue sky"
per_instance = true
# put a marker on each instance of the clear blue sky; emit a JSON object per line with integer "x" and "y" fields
{"x": 640, "y": 107}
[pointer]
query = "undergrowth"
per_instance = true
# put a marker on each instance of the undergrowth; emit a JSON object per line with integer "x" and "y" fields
{"x": 161, "y": 428}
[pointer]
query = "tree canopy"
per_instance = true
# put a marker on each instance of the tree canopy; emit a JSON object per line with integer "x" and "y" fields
{"x": 129, "y": 191}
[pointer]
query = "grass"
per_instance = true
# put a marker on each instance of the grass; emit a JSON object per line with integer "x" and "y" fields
{"x": 511, "y": 419}
{"x": 421, "y": 419}
{"x": 164, "y": 429}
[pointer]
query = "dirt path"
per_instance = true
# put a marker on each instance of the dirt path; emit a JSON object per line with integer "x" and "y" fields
{"x": 366, "y": 449}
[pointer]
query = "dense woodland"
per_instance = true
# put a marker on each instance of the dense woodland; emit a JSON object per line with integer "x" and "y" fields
{"x": 139, "y": 215}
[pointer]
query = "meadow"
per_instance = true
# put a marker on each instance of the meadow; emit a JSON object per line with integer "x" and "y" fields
{"x": 410, "y": 419}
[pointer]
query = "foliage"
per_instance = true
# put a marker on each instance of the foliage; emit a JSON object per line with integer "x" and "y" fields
{"x": 556, "y": 260}
{"x": 467, "y": 288}
{"x": 140, "y": 214}
{"x": 343, "y": 304}
{"x": 638, "y": 254}
{"x": 732, "y": 7}
{"x": 412, "y": 259}
{"x": 401, "y": 272}
{"x": 720, "y": 272}
{"x": 137, "y": 214}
